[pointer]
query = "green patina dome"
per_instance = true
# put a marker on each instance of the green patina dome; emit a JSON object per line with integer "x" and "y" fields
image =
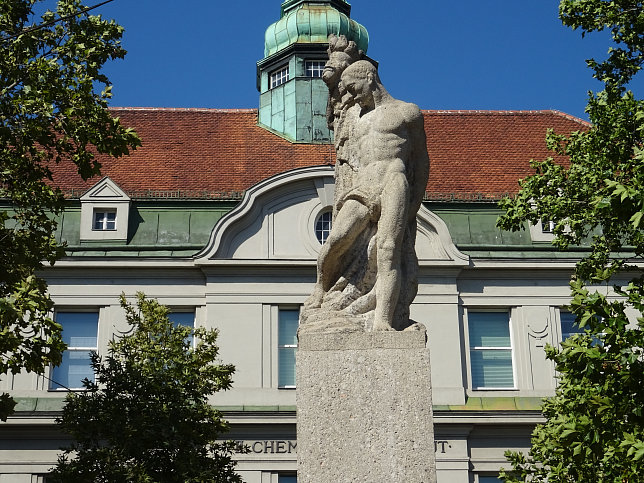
{"x": 312, "y": 22}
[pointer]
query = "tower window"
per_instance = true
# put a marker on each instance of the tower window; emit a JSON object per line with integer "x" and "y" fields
{"x": 314, "y": 68}
{"x": 279, "y": 77}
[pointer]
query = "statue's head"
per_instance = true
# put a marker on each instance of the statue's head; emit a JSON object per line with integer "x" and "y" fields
{"x": 341, "y": 54}
{"x": 360, "y": 80}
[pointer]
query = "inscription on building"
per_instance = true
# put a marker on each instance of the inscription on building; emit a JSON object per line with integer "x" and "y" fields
{"x": 441, "y": 446}
{"x": 271, "y": 446}
{"x": 268, "y": 446}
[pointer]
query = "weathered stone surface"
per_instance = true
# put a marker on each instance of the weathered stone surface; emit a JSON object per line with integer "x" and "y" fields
{"x": 367, "y": 268}
{"x": 364, "y": 408}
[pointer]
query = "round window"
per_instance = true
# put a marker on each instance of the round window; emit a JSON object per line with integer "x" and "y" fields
{"x": 323, "y": 226}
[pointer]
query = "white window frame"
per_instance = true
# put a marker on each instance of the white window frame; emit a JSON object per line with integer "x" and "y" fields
{"x": 279, "y": 76}
{"x": 511, "y": 348}
{"x": 101, "y": 224}
{"x": 322, "y": 234}
{"x": 314, "y": 67}
{"x": 547, "y": 227}
{"x": 275, "y": 476}
{"x": 75, "y": 348}
{"x": 281, "y": 347}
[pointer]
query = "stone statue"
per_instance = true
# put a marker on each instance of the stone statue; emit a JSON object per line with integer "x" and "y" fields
{"x": 367, "y": 269}
{"x": 342, "y": 53}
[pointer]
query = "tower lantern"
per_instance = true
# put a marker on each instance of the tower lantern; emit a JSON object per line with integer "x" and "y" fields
{"x": 293, "y": 97}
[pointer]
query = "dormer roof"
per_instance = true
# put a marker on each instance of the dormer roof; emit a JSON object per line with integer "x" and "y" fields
{"x": 105, "y": 190}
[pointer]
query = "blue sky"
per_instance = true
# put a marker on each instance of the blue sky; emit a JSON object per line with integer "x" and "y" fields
{"x": 493, "y": 54}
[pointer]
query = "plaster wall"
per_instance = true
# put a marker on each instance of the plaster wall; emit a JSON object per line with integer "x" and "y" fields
{"x": 242, "y": 302}
{"x": 263, "y": 258}
{"x": 260, "y": 258}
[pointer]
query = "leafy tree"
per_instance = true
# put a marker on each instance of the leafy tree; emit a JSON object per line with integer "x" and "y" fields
{"x": 594, "y": 429}
{"x": 50, "y": 110}
{"x": 147, "y": 417}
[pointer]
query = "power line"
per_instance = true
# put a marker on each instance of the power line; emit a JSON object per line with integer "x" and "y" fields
{"x": 47, "y": 24}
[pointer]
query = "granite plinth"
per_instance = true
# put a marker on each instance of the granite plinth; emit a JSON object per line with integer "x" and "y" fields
{"x": 364, "y": 408}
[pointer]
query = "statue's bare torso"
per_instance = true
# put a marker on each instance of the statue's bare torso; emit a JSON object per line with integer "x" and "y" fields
{"x": 383, "y": 146}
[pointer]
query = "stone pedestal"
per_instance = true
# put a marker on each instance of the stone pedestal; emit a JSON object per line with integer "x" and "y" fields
{"x": 364, "y": 408}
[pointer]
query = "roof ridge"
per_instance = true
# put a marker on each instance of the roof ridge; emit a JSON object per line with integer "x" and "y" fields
{"x": 508, "y": 112}
{"x": 181, "y": 109}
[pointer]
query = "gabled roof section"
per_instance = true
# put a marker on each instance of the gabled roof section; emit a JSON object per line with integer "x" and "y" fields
{"x": 219, "y": 154}
{"x": 105, "y": 190}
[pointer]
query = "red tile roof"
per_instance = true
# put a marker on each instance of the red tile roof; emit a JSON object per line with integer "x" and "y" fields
{"x": 214, "y": 153}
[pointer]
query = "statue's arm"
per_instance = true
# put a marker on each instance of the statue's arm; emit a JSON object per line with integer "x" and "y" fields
{"x": 419, "y": 159}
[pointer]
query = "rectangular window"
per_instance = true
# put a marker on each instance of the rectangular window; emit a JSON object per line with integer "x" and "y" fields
{"x": 279, "y": 76}
{"x": 490, "y": 350}
{"x": 568, "y": 326}
{"x": 547, "y": 227}
{"x": 186, "y": 319}
{"x": 286, "y": 479}
{"x": 80, "y": 331}
{"x": 288, "y": 320}
{"x": 314, "y": 68}
{"x": 488, "y": 479}
{"x": 104, "y": 219}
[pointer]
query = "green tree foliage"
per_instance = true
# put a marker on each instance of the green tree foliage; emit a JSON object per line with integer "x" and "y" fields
{"x": 594, "y": 429}
{"x": 50, "y": 110}
{"x": 147, "y": 417}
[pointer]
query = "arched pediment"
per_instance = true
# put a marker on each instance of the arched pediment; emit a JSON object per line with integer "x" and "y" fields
{"x": 275, "y": 218}
{"x": 276, "y": 221}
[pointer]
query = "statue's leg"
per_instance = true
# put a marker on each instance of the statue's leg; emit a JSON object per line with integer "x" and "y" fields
{"x": 391, "y": 228}
{"x": 409, "y": 274}
{"x": 350, "y": 221}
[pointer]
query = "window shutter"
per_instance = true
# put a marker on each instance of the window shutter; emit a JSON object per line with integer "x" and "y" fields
{"x": 490, "y": 350}
{"x": 288, "y": 321}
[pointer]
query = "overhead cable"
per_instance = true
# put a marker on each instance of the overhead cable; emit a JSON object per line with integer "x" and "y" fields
{"x": 51, "y": 22}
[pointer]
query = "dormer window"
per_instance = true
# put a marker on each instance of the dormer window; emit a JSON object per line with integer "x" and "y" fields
{"x": 279, "y": 77}
{"x": 104, "y": 219}
{"x": 547, "y": 227}
{"x": 104, "y": 212}
{"x": 314, "y": 68}
{"x": 542, "y": 231}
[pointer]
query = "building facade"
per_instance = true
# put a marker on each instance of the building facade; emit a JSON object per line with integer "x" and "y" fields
{"x": 221, "y": 214}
